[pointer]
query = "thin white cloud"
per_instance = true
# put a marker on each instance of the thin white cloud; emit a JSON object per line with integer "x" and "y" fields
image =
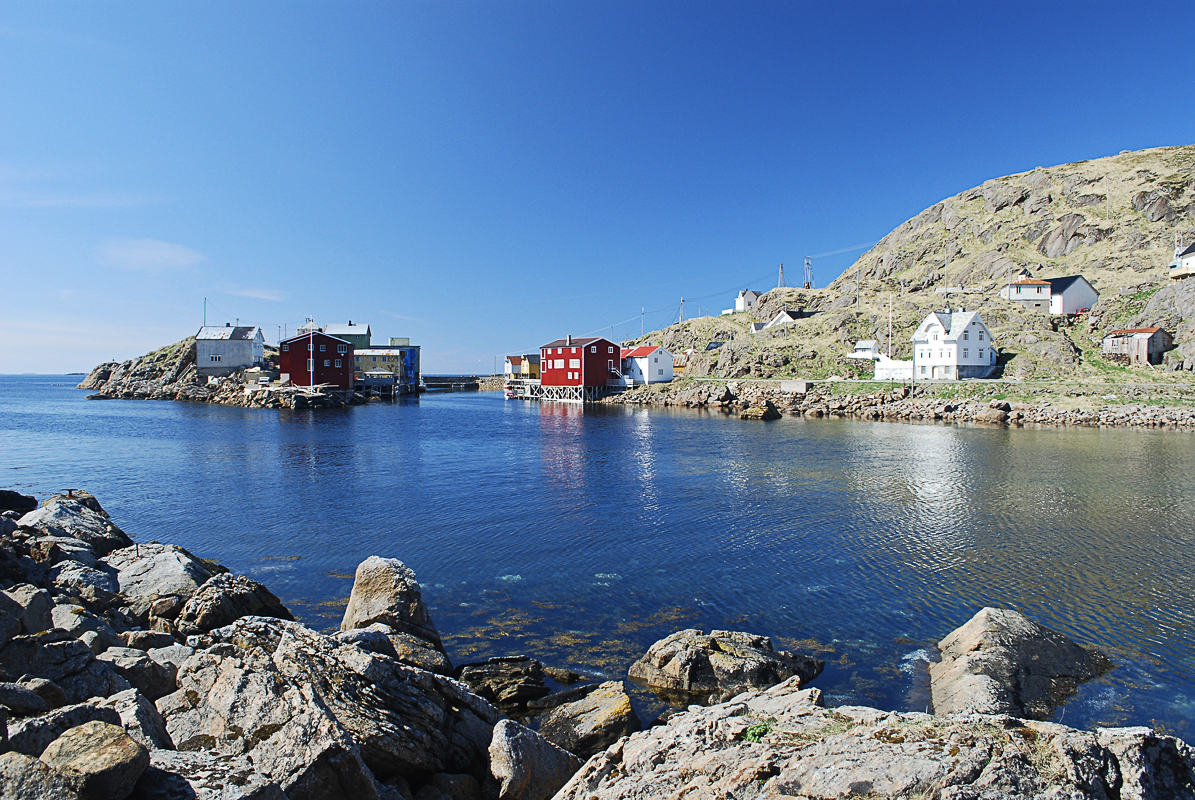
{"x": 259, "y": 294}
{"x": 146, "y": 255}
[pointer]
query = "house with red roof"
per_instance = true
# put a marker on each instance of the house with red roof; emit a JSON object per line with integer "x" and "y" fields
{"x": 1072, "y": 294}
{"x": 1131, "y": 346}
{"x": 647, "y": 364}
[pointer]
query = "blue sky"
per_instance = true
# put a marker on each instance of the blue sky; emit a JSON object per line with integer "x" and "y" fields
{"x": 487, "y": 176}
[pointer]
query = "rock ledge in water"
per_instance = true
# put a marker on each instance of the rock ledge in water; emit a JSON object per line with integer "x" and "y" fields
{"x": 1002, "y": 662}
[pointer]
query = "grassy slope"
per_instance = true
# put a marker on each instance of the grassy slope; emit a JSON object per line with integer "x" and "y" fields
{"x": 1125, "y": 257}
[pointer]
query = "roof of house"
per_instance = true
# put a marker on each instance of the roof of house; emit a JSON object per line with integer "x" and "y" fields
{"x": 746, "y": 292}
{"x": 378, "y": 351}
{"x": 1131, "y": 331}
{"x": 865, "y": 344}
{"x": 1029, "y": 282}
{"x": 580, "y": 341}
{"x": 1059, "y": 285}
{"x": 639, "y": 352}
{"x": 515, "y": 359}
{"x": 782, "y": 317}
{"x": 1188, "y": 251}
{"x": 239, "y": 333}
{"x": 336, "y": 329}
{"x": 953, "y": 323}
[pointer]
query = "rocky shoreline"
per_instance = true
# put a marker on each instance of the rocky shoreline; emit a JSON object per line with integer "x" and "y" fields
{"x": 170, "y": 374}
{"x": 144, "y": 671}
{"x": 900, "y": 404}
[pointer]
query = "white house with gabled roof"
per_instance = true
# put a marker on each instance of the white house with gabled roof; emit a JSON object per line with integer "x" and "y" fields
{"x": 224, "y": 349}
{"x": 949, "y": 345}
{"x": 648, "y": 364}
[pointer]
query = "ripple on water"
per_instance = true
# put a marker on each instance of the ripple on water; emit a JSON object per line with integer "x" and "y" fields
{"x": 582, "y": 536}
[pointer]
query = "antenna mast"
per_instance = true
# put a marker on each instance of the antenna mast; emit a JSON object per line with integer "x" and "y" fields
{"x": 808, "y": 272}
{"x": 781, "y": 286}
{"x": 682, "y": 309}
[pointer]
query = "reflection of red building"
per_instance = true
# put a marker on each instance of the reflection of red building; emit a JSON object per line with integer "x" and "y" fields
{"x": 579, "y": 362}
{"x": 316, "y": 358}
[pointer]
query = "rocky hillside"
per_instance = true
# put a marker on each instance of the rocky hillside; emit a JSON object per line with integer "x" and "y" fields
{"x": 167, "y": 369}
{"x": 1113, "y": 220}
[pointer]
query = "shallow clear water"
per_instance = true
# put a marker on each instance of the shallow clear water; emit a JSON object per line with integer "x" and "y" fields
{"x": 581, "y": 536}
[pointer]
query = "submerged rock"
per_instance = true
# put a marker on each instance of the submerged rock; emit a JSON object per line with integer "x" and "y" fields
{"x": 1002, "y": 662}
{"x": 385, "y": 590}
{"x": 505, "y": 680}
{"x": 762, "y": 411}
{"x": 692, "y": 667}
{"x": 593, "y": 723}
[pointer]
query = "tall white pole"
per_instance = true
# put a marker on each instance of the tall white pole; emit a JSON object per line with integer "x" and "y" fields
{"x": 889, "y": 324}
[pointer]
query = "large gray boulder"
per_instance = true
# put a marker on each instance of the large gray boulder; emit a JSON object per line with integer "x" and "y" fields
{"x": 77, "y": 518}
{"x": 52, "y": 655}
{"x": 380, "y": 638}
{"x": 692, "y": 667}
{"x": 77, "y": 620}
{"x": 178, "y": 775}
{"x": 143, "y": 672}
{"x": 1002, "y": 662}
{"x": 283, "y": 695}
{"x": 98, "y": 760}
{"x": 15, "y": 501}
{"x": 783, "y": 743}
{"x": 593, "y": 723}
{"x": 21, "y": 700}
{"x": 94, "y": 585}
{"x": 36, "y": 605}
{"x": 11, "y": 614}
{"x": 225, "y": 598}
{"x": 140, "y": 719}
{"x": 152, "y": 572}
{"x": 385, "y": 590}
{"x": 528, "y": 766}
{"x": 23, "y": 777}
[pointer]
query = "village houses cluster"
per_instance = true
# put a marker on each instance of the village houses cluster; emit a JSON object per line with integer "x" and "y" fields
{"x": 337, "y": 356}
{"x": 952, "y": 344}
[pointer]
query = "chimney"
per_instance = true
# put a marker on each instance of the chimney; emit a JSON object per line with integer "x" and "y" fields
{"x": 569, "y": 340}
{"x": 350, "y": 323}
{"x": 227, "y": 324}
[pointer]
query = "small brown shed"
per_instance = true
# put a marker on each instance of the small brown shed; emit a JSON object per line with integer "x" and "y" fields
{"x": 1133, "y": 346}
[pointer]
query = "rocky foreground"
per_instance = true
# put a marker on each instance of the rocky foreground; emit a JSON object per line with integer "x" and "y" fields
{"x": 752, "y": 401}
{"x": 143, "y": 671}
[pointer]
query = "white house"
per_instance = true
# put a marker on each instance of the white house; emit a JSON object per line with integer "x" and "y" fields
{"x": 747, "y": 300}
{"x": 224, "y": 349}
{"x": 649, "y": 364}
{"x": 951, "y": 345}
{"x": 1068, "y": 295}
{"x": 1183, "y": 265}
{"x": 865, "y": 348}
{"x": 886, "y": 369}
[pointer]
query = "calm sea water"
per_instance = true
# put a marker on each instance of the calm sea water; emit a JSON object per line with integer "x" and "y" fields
{"x": 583, "y": 535}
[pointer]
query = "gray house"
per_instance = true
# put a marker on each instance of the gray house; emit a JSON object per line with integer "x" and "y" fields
{"x": 1131, "y": 346}
{"x": 221, "y": 351}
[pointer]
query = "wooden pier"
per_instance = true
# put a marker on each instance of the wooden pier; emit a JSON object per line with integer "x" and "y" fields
{"x": 530, "y": 389}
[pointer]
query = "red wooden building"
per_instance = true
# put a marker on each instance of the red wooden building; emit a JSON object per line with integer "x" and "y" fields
{"x": 586, "y": 363}
{"x": 311, "y": 359}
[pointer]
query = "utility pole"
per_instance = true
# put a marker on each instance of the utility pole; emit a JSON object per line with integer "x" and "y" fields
{"x": 808, "y": 272}
{"x": 889, "y": 324}
{"x": 781, "y": 286}
{"x": 205, "y": 312}
{"x": 682, "y": 309}
{"x": 641, "y": 320}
